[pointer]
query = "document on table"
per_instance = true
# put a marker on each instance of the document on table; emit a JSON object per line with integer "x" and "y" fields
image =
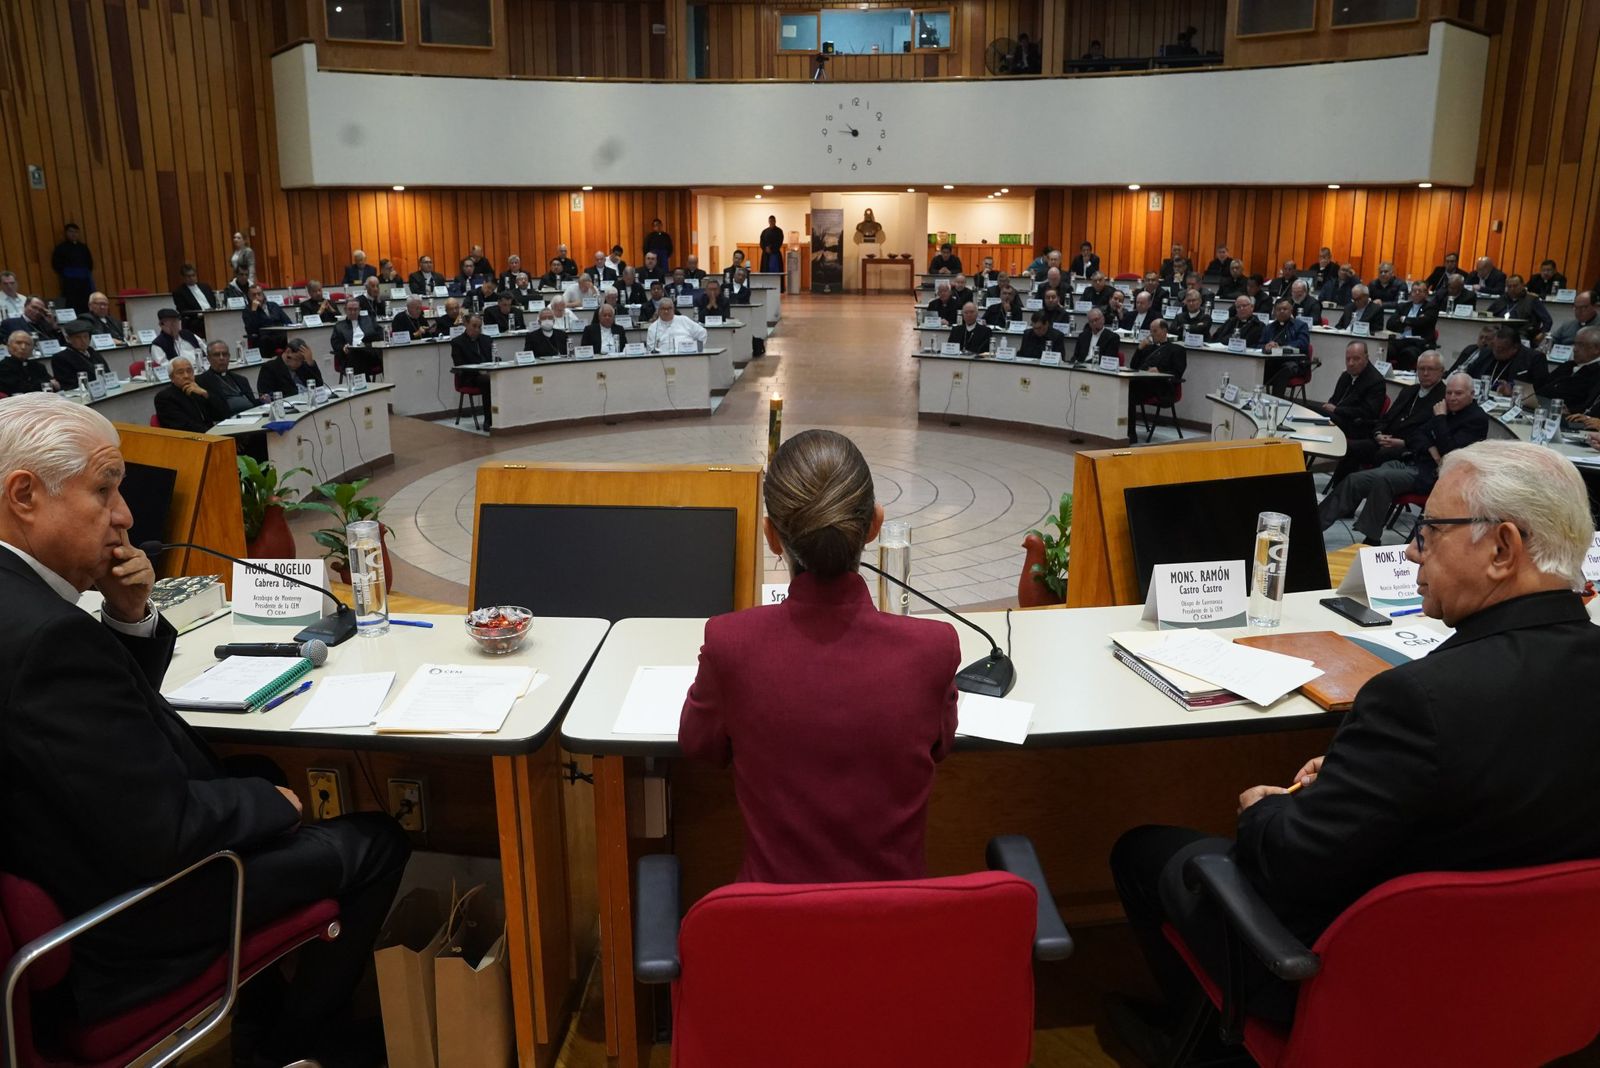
{"x": 654, "y": 701}
{"x": 344, "y": 701}
{"x": 457, "y": 699}
{"x": 995, "y": 718}
{"x": 1254, "y": 674}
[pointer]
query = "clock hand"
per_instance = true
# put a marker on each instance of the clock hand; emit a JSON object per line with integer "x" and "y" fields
{"x": 853, "y": 131}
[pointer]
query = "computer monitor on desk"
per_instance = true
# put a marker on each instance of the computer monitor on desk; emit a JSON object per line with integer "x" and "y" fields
{"x": 1193, "y": 522}
{"x": 612, "y": 562}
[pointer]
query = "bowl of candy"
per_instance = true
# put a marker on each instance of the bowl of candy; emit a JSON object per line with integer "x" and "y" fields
{"x": 501, "y": 629}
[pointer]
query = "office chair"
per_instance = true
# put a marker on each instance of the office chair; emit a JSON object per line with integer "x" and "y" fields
{"x": 931, "y": 972}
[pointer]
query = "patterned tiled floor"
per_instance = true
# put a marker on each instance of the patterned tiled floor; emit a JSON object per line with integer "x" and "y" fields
{"x": 970, "y": 493}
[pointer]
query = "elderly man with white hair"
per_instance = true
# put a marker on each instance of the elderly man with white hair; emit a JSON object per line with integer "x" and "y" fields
{"x": 1457, "y": 422}
{"x": 1472, "y": 758}
{"x": 669, "y": 328}
{"x": 107, "y": 789}
{"x": 944, "y": 304}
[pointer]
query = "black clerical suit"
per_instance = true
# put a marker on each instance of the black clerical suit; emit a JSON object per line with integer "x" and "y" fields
{"x": 974, "y": 339}
{"x": 1529, "y": 308}
{"x": 552, "y": 280}
{"x": 996, "y": 314}
{"x": 591, "y": 336}
{"x": 1418, "y": 327}
{"x": 1091, "y": 349}
{"x": 1545, "y": 290}
{"x": 269, "y": 314}
{"x": 275, "y": 377}
{"x": 122, "y": 792}
{"x": 1186, "y": 323}
{"x": 184, "y": 301}
{"x": 1527, "y": 364}
{"x": 1357, "y": 402}
{"x": 1168, "y": 357}
{"x": 480, "y": 349}
{"x": 545, "y": 345}
{"x": 361, "y": 358}
{"x": 1574, "y": 384}
{"x": 946, "y": 309}
{"x": 706, "y": 308}
{"x": 24, "y": 376}
{"x": 1391, "y": 292}
{"x": 101, "y": 324}
{"x": 420, "y": 327}
{"x": 636, "y": 294}
{"x": 1409, "y": 410}
{"x": 1494, "y": 282}
{"x": 945, "y": 261}
{"x": 424, "y": 284}
{"x": 1447, "y": 763}
{"x": 1033, "y": 346}
{"x": 1231, "y": 288}
{"x": 1085, "y": 266}
{"x": 1322, "y": 273}
{"x": 506, "y": 321}
{"x": 230, "y": 391}
{"x": 1372, "y": 315}
{"x": 1097, "y": 298}
{"x": 177, "y": 410}
{"x": 1248, "y": 328}
{"x": 68, "y": 365}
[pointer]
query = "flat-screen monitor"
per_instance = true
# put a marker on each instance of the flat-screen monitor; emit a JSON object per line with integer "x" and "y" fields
{"x": 1189, "y": 522}
{"x": 148, "y": 492}
{"x": 607, "y": 562}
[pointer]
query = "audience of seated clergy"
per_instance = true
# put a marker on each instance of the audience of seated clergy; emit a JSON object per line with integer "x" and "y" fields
{"x": 1041, "y": 337}
{"x": 1583, "y": 314}
{"x": 603, "y": 334}
{"x": 1241, "y": 322}
{"x": 1358, "y": 394}
{"x": 944, "y": 305}
{"x": 1517, "y": 303}
{"x": 1548, "y": 282}
{"x": 1410, "y": 409}
{"x": 1361, "y": 309}
{"x": 1096, "y": 341}
{"x": 970, "y": 333}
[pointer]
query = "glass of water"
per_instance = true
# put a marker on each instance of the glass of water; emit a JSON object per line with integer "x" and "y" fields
{"x": 894, "y": 557}
{"x": 364, "y": 544}
{"x": 1268, "y": 570}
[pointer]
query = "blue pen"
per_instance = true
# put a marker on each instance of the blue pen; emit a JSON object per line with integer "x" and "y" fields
{"x": 282, "y": 697}
{"x": 1405, "y": 612}
{"x": 411, "y": 623}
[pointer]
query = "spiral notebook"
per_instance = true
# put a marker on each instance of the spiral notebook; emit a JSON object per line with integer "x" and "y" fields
{"x": 239, "y": 683}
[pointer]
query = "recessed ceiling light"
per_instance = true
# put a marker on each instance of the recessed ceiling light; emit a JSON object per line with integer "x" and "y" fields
{"x": 911, "y": 189}
{"x": 399, "y": 189}
{"x": 758, "y": 196}
{"x": 949, "y": 187}
{"x": 1333, "y": 185}
{"x": 1133, "y": 186}
{"x": 587, "y": 188}
{"x": 990, "y": 197}
{"x": 1424, "y": 185}
{"x": 1003, "y": 189}
{"x": 767, "y": 187}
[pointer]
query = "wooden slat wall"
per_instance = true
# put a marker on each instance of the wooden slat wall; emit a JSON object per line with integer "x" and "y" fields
{"x": 1538, "y": 179}
{"x": 587, "y": 38}
{"x": 1359, "y": 42}
{"x": 1141, "y": 27}
{"x": 325, "y": 224}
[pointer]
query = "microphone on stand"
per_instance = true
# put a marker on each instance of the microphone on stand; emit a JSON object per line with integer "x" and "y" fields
{"x": 994, "y": 675}
{"x": 330, "y": 629}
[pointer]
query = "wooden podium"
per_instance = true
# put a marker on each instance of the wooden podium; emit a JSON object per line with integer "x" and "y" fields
{"x": 205, "y": 507}
{"x": 1102, "y": 571}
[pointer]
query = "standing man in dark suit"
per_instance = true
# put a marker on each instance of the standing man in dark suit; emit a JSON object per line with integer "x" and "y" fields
{"x": 122, "y": 792}
{"x": 771, "y": 244}
{"x": 183, "y": 404}
{"x": 1406, "y": 415}
{"x": 659, "y": 242}
{"x": 191, "y": 297}
{"x": 472, "y": 345}
{"x": 972, "y": 335}
{"x": 1096, "y": 340}
{"x": 1358, "y": 395}
{"x": 74, "y": 267}
{"x": 1469, "y": 759}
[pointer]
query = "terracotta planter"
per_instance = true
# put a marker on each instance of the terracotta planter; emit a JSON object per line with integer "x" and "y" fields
{"x": 276, "y": 541}
{"x": 1031, "y": 591}
{"x": 342, "y": 571}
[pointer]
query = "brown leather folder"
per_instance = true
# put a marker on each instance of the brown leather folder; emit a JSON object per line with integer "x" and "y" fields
{"x": 1346, "y": 666}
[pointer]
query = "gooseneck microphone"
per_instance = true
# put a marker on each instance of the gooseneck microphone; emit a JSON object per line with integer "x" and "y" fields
{"x": 994, "y": 675}
{"x": 315, "y": 650}
{"x": 330, "y": 629}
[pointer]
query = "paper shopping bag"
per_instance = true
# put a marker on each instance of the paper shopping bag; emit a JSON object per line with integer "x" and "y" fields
{"x": 404, "y": 961}
{"x": 472, "y": 986}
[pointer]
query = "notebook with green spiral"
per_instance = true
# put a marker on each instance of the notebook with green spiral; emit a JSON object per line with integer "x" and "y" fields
{"x": 239, "y": 684}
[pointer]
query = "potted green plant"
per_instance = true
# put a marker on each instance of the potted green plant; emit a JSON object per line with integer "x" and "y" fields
{"x": 266, "y": 497}
{"x": 1044, "y": 567}
{"x": 343, "y": 501}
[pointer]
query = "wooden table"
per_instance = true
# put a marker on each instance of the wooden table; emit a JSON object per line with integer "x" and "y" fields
{"x": 879, "y": 275}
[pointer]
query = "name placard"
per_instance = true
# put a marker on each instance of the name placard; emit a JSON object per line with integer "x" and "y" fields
{"x": 1192, "y": 340}
{"x": 1230, "y": 393}
{"x": 400, "y": 337}
{"x": 1207, "y": 595}
{"x": 685, "y": 300}
{"x": 441, "y": 291}
{"x": 1560, "y": 353}
{"x": 321, "y": 395}
{"x": 633, "y": 348}
{"x": 1383, "y": 366}
{"x": 1386, "y": 579}
{"x": 1591, "y": 561}
{"x": 236, "y": 304}
{"x": 65, "y": 315}
{"x": 398, "y": 293}
{"x": 312, "y": 320}
{"x": 1110, "y": 363}
{"x": 774, "y": 592}
{"x": 524, "y": 358}
{"x": 713, "y": 320}
{"x": 1033, "y": 304}
{"x": 273, "y": 601}
{"x": 49, "y": 346}
{"x": 1219, "y": 314}
{"x": 146, "y": 336}
{"x": 1050, "y": 358}
{"x": 591, "y": 303}
{"x": 1236, "y": 344}
{"x": 163, "y": 373}
{"x": 97, "y": 388}
{"x": 1082, "y": 307}
{"x": 1171, "y": 311}
{"x": 1566, "y": 296}
{"x": 102, "y": 341}
{"x": 950, "y": 348}
{"x": 251, "y": 357}
{"x": 1005, "y": 352}
{"x": 1463, "y": 311}
{"x": 491, "y": 329}
{"x": 1360, "y": 328}
{"x": 686, "y": 344}
{"x": 457, "y": 330}
{"x": 586, "y": 352}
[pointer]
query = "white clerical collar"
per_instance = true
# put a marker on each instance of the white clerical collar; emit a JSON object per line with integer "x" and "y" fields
{"x": 61, "y": 586}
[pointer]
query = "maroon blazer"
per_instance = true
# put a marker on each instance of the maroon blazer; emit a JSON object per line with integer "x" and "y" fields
{"x": 833, "y": 715}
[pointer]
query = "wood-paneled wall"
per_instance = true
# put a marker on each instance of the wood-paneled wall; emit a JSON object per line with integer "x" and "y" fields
{"x": 1358, "y": 42}
{"x": 326, "y": 224}
{"x": 1141, "y": 27}
{"x": 1537, "y": 192}
{"x": 587, "y": 38}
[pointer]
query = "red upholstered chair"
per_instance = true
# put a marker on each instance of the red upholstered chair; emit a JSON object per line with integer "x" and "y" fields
{"x": 1437, "y": 968}
{"x": 136, "y": 368}
{"x": 36, "y": 945}
{"x": 931, "y": 972}
{"x": 1404, "y": 501}
{"x": 471, "y": 396}
{"x": 155, "y": 420}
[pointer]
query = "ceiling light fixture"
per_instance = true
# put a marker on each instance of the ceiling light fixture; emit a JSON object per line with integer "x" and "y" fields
{"x": 588, "y": 188}
{"x": 758, "y": 196}
{"x": 949, "y": 187}
{"x": 1424, "y": 185}
{"x": 1133, "y": 186}
{"x": 399, "y": 189}
{"x": 1333, "y": 185}
{"x": 911, "y": 189}
{"x": 767, "y": 187}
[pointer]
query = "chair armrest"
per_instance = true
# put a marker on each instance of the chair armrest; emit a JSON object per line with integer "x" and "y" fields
{"x": 656, "y": 919}
{"x": 1014, "y": 853}
{"x": 1249, "y": 915}
{"x": 31, "y": 953}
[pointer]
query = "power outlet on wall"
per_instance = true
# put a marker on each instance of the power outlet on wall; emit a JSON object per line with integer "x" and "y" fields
{"x": 405, "y": 804}
{"x": 326, "y": 791}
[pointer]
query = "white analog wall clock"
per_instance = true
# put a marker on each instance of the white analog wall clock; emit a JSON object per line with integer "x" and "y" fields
{"x": 854, "y": 136}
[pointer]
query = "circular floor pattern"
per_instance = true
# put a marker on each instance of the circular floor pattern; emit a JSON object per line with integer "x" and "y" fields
{"x": 970, "y": 498}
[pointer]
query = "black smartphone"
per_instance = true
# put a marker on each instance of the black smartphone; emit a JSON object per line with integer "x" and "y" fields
{"x": 1355, "y": 612}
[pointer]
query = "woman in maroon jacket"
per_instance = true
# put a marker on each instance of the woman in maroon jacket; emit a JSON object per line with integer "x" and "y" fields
{"x": 832, "y": 713}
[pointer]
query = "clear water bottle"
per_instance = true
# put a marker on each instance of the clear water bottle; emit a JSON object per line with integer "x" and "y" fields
{"x": 278, "y": 411}
{"x": 1256, "y": 395}
{"x": 894, "y": 557}
{"x": 364, "y": 544}
{"x": 1268, "y": 570}
{"x": 1226, "y": 378}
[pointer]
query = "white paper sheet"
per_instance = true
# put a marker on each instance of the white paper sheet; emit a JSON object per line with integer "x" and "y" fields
{"x": 1254, "y": 674}
{"x": 230, "y": 681}
{"x": 456, "y": 699}
{"x": 344, "y": 701}
{"x": 1415, "y": 640}
{"x": 996, "y": 718}
{"x": 654, "y": 701}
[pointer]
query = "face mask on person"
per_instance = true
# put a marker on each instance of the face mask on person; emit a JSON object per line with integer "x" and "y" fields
{"x": 547, "y": 327}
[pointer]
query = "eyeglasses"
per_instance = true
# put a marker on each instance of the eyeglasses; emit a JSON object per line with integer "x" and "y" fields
{"x": 1453, "y": 521}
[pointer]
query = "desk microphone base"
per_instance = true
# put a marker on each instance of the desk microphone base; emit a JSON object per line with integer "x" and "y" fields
{"x": 993, "y": 676}
{"x": 332, "y": 629}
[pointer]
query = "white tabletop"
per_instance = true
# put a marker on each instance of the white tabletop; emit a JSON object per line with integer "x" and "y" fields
{"x": 1296, "y": 423}
{"x": 511, "y": 365}
{"x": 559, "y": 648}
{"x": 1082, "y": 695}
{"x": 257, "y": 418}
{"x": 1066, "y": 364}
